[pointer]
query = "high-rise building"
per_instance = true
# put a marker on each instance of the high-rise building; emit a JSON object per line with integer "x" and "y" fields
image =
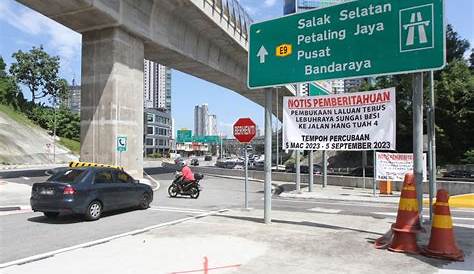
{"x": 292, "y": 6}
{"x": 201, "y": 120}
{"x": 205, "y": 124}
{"x": 212, "y": 125}
{"x": 72, "y": 100}
{"x": 157, "y": 86}
{"x": 158, "y": 132}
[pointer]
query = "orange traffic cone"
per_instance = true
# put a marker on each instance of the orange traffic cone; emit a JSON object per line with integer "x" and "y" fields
{"x": 407, "y": 224}
{"x": 442, "y": 244}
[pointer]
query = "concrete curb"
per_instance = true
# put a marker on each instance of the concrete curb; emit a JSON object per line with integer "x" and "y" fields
{"x": 158, "y": 185}
{"x": 105, "y": 240}
{"x": 14, "y": 208}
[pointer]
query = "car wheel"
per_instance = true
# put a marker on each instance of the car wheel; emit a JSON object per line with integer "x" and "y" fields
{"x": 194, "y": 192}
{"x": 51, "y": 215}
{"x": 145, "y": 201}
{"x": 94, "y": 210}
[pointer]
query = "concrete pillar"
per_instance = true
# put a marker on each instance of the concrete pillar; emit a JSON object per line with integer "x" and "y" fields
{"x": 112, "y": 98}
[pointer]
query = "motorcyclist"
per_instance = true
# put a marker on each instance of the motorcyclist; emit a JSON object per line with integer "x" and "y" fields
{"x": 187, "y": 173}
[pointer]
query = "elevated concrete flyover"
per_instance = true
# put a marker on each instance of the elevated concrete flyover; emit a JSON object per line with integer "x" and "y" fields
{"x": 204, "y": 38}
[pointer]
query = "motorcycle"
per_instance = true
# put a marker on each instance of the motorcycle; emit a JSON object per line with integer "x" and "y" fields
{"x": 192, "y": 189}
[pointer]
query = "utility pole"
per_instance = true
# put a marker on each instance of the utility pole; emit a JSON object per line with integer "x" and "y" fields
{"x": 418, "y": 139}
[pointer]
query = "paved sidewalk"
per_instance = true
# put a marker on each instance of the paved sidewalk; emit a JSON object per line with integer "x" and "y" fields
{"x": 339, "y": 193}
{"x": 238, "y": 242}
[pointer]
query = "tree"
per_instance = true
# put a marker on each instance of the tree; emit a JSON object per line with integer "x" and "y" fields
{"x": 471, "y": 60}
{"x": 38, "y": 71}
{"x": 455, "y": 46}
{"x": 455, "y": 111}
{"x": 9, "y": 92}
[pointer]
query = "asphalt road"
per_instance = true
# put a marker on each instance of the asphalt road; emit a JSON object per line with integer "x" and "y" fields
{"x": 28, "y": 234}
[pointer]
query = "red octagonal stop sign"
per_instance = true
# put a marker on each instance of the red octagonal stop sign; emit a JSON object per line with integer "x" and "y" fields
{"x": 245, "y": 130}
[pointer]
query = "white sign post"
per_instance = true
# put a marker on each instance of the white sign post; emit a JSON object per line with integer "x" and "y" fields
{"x": 394, "y": 166}
{"x": 354, "y": 121}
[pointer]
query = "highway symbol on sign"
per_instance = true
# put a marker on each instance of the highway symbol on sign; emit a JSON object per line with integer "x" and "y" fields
{"x": 416, "y": 28}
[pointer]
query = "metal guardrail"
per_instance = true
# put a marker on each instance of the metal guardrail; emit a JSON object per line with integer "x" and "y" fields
{"x": 233, "y": 14}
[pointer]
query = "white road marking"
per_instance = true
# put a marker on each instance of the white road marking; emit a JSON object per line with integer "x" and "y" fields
{"x": 394, "y": 214}
{"x": 324, "y": 210}
{"x": 104, "y": 240}
{"x": 176, "y": 209}
{"x": 362, "y": 204}
{"x": 26, "y": 178}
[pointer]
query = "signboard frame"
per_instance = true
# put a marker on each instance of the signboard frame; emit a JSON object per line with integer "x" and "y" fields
{"x": 301, "y": 14}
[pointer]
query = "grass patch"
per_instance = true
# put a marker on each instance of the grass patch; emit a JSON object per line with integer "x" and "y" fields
{"x": 17, "y": 116}
{"x": 73, "y": 145}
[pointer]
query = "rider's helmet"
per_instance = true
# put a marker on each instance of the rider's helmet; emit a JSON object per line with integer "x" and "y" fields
{"x": 181, "y": 164}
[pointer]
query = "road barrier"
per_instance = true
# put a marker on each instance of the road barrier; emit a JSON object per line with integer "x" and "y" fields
{"x": 454, "y": 188}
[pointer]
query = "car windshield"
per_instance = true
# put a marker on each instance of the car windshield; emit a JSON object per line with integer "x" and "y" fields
{"x": 67, "y": 176}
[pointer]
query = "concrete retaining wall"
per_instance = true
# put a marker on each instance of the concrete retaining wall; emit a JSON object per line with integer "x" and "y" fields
{"x": 454, "y": 188}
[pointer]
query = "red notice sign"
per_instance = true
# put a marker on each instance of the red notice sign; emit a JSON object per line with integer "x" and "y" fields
{"x": 245, "y": 130}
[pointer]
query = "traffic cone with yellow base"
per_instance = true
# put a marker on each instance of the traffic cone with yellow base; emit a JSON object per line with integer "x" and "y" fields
{"x": 403, "y": 232}
{"x": 408, "y": 223}
{"x": 442, "y": 243}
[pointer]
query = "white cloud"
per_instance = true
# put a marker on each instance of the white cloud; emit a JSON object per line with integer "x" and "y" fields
{"x": 270, "y": 3}
{"x": 66, "y": 42}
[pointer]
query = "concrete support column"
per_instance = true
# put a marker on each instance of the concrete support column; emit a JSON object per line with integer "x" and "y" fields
{"x": 112, "y": 98}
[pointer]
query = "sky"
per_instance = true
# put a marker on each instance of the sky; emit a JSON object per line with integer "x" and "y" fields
{"x": 23, "y": 28}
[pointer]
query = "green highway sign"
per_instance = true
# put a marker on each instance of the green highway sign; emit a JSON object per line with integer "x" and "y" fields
{"x": 355, "y": 39}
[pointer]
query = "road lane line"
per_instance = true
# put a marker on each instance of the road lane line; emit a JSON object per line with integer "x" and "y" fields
{"x": 394, "y": 214}
{"x": 324, "y": 210}
{"x": 176, "y": 210}
{"x": 355, "y": 203}
{"x": 104, "y": 240}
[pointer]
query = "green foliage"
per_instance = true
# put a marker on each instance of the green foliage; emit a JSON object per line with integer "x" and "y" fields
{"x": 16, "y": 115}
{"x": 154, "y": 155}
{"x": 72, "y": 145}
{"x": 455, "y": 46}
{"x": 9, "y": 92}
{"x": 454, "y": 111}
{"x": 38, "y": 71}
{"x": 67, "y": 123}
{"x": 468, "y": 157}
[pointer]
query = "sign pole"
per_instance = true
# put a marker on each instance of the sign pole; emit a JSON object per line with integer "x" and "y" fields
{"x": 325, "y": 169}
{"x": 432, "y": 144}
{"x": 268, "y": 156}
{"x": 298, "y": 155}
{"x": 418, "y": 139}
{"x": 246, "y": 177}
{"x": 310, "y": 171}
{"x": 277, "y": 135}
{"x": 374, "y": 183}
{"x": 364, "y": 163}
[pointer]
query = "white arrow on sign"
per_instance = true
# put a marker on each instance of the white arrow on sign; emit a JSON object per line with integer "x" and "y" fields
{"x": 262, "y": 53}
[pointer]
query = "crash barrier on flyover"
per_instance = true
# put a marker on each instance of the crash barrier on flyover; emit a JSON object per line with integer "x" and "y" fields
{"x": 87, "y": 164}
{"x": 454, "y": 188}
{"x": 442, "y": 244}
